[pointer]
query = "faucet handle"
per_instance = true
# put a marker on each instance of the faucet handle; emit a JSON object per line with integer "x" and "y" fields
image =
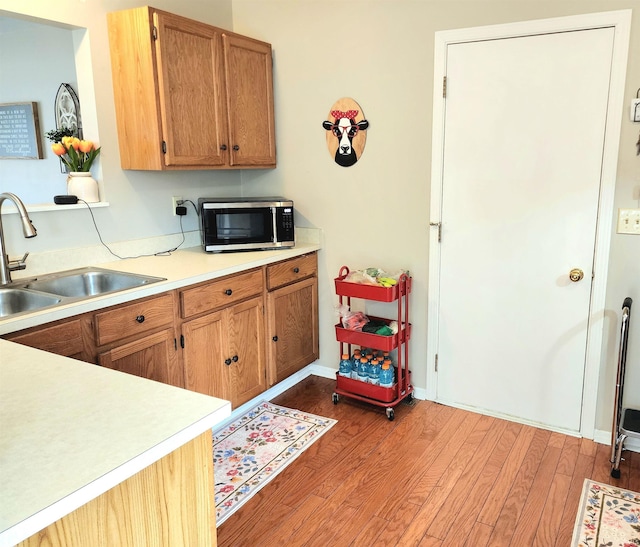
{"x": 19, "y": 264}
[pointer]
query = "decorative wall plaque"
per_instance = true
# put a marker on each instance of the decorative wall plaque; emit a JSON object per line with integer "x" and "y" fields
{"x": 346, "y": 131}
{"x": 20, "y": 131}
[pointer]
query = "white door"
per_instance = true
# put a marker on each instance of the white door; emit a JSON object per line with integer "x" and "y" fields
{"x": 524, "y": 131}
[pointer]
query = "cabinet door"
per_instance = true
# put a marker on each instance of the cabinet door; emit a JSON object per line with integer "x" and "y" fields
{"x": 63, "y": 338}
{"x": 224, "y": 353}
{"x": 249, "y": 91}
{"x": 153, "y": 357}
{"x": 205, "y": 350}
{"x": 190, "y": 75}
{"x": 293, "y": 328}
{"x": 246, "y": 349}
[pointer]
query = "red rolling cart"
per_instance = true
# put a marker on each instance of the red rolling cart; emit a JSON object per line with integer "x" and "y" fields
{"x": 387, "y": 397}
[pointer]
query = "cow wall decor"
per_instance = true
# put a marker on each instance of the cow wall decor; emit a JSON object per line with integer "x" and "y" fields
{"x": 346, "y": 132}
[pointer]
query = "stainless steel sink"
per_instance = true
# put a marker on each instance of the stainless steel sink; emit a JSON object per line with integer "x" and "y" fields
{"x": 89, "y": 282}
{"x": 64, "y": 287}
{"x": 14, "y": 301}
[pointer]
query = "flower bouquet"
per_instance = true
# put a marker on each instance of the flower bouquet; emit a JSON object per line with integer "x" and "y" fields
{"x": 78, "y": 155}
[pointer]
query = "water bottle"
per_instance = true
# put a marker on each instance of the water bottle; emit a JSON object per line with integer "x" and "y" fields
{"x": 386, "y": 375}
{"x": 362, "y": 369}
{"x": 374, "y": 372}
{"x": 355, "y": 361}
{"x": 370, "y": 365}
{"x": 345, "y": 366}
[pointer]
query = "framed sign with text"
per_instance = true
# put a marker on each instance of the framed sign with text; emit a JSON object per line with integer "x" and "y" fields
{"x": 20, "y": 131}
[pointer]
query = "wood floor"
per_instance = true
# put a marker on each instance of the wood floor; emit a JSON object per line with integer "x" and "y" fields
{"x": 435, "y": 476}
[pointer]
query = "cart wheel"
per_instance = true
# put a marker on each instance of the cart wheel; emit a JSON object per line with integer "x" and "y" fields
{"x": 390, "y": 414}
{"x": 615, "y": 473}
{"x": 335, "y": 398}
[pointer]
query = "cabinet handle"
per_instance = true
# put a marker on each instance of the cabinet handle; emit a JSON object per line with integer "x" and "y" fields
{"x": 236, "y": 147}
{"x": 227, "y": 362}
{"x": 228, "y": 292}
{"x": 275, "y": 338}
{"x": 223, "y": 147}
{"x": 140, "y": 319}
{"x": 235, "y": 358}
{"x": 296, "y": 270}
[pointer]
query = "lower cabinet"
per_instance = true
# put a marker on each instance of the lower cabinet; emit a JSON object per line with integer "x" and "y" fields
{"x": 293, "y": 325}
{"x": 223, "y": 352}
{"x": 231, "y": 337}
{"x": 292, "y": 316}
{"x": 62, "y": 338}
{"x": 153, "y": 357}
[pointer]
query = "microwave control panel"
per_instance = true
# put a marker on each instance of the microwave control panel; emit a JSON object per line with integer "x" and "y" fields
{"x": 284, "y": 222}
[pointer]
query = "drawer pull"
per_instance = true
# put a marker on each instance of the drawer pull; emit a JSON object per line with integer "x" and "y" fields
{"x": 140, "y": 319}
{"x": 275, "y": 339}
{"x": 296, "y": 270}
{"x": 235, "y": 358}
{"x": 227, "y": 362}
{"x": 228, "y": 292}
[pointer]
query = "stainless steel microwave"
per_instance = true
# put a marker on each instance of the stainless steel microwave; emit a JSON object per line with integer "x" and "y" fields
{"x": 230, "y": 224}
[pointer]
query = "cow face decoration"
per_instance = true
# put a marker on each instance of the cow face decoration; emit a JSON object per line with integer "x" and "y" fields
{"x": 346, "y": 132}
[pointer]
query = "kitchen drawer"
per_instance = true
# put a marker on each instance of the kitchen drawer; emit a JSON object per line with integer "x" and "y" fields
{"x": 132, "y": 319}
{"x": 62, "y": 339}
{"x": 221, "y": 293}
{"x": 289, "y": 271}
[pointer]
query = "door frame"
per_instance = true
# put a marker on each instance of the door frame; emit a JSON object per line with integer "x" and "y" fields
{"x": 620, "y": 20}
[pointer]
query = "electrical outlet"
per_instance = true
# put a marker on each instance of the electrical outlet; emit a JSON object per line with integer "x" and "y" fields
{"x": 175, "y": 201}
{"x": 629, "y": 221}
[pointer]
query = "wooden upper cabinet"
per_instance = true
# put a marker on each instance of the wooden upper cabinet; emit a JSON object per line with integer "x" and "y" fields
{"x": 249, "y": 91}
{"x": 189, "y": 95}
{"x": 190, "y": 77}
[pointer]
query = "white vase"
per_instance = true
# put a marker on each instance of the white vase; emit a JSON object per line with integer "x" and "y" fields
{"x": 83, "y": 185}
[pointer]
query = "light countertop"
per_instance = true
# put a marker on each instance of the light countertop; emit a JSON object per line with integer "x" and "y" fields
{"x": 180, "y": 268}
{"x": 70, "y": 431}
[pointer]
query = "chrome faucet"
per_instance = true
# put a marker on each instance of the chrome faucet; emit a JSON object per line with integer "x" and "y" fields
{"x": 6, "y": 265}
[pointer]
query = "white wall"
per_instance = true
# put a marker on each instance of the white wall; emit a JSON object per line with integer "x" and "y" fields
{"x": 23, "y": 44}
{"x": 380, "y": 52}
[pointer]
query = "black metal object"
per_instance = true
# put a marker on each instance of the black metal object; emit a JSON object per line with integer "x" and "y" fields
{"x": 626, "y": 421}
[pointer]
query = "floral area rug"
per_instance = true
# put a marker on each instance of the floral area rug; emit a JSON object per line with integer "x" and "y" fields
{"x": 252, "y": 450}
{"x": 608, "y": 516}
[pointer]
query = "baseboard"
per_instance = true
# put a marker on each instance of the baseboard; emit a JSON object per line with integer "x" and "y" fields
{"x": 604, "y": 437}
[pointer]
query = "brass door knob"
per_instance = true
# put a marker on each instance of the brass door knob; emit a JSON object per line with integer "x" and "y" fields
{"x": 576, "y": 275}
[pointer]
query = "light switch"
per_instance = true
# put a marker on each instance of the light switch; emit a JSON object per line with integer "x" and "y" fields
{"x": 629, "y": 221}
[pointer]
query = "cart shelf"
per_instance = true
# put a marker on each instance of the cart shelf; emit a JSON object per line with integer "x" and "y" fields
{"x": 387, "y": 397}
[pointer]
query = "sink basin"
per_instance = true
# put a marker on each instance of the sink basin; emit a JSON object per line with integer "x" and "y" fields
{"x": 88, "y": 282}
{"x": 14, "y": 301}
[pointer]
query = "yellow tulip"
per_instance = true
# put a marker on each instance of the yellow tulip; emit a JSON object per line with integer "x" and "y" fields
{"x": 58, "y": 149}
{"x": 71, "y": 142}
{"x": 86, "y": 146}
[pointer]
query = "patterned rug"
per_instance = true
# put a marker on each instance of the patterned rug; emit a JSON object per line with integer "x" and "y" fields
{"x": 608, "y": 516}
{"x": 251, "y": 451}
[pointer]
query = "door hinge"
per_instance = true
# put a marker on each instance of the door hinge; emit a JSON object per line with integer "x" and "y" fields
{"x": 436, "y": 362}
{"x": 439, "y": 225}
{"x": 182, "y": 341}
{"x": 154, "y": 33}
{"x": 444, "y": 87}
{"x": 164, "y": 147}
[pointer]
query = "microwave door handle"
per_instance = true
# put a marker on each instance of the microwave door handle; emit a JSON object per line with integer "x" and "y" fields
{"x": 274, "y": 217}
